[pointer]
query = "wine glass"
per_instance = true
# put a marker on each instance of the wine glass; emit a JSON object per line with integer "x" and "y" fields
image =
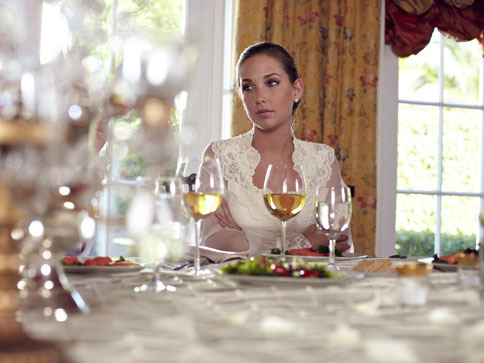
{"x": 333, "y": 215}
{"x": 284, "y": 195}
{"x": 148, "y": 218}
{"x": 203, "y": 189}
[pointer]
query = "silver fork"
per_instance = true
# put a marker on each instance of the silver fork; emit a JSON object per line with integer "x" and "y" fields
{"x": 176, "y": 266}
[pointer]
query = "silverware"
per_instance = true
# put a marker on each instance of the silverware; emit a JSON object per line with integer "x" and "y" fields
{"x": 176, "y": 266}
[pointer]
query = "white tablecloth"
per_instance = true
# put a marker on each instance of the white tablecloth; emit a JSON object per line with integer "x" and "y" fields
{"x": 213, "y": 321}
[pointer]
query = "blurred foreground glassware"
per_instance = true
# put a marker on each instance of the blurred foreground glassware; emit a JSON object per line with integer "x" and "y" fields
{"x": 15, "y": 345}
{"x": 45, "y": 116}
{"x": 468, "y": 269}
{"x": 333, "y": 215}
{"x": 412, "y": 278}
{"x": 152, "y": 71}
{"x": 58, "y": 182}
{"x": 152, "y": 221}
{"x": 203, "y": 190}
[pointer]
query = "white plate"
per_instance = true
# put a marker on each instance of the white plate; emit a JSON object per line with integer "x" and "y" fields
{"x": 346, "y": 257}
{"x": 445, "y": 267}
{"x": 283, "y": 281}
{"x": 101, "y": 269}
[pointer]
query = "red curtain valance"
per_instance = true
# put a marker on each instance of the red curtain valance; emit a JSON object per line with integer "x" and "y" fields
{"x": 409, "y": 24}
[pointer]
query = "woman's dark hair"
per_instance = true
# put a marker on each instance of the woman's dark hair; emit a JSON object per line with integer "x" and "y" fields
{"x": 277, "y": 52}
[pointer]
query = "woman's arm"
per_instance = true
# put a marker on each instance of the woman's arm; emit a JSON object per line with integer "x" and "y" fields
{"x": 316, "y": 237}
{"x": 220, "y": 230}
{"x": 344, "y": 240}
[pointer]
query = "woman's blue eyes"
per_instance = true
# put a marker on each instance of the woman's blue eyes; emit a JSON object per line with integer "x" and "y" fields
{"x": 269, "y": 84}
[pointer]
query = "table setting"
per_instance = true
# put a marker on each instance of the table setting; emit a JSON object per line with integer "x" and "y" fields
{"x": 212, "y": 318}
{"x": 174, "y": 299}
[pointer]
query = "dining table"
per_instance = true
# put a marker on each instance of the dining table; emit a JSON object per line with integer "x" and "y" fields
{"x": 361, "y": 317}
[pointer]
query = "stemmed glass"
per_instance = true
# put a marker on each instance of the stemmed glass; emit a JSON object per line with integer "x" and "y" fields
{"x": 333, "y": 215}
{"x": 203, "y": 189}
{"x": 151, "y": 220}
{"x": 284, "y": 195}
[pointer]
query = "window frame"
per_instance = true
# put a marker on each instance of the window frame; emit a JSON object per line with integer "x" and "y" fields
{"x": 208, "y": 24}
{"x": 387, "y": 137}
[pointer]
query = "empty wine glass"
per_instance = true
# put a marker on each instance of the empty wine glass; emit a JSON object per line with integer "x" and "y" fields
{"x": 203, "y": 189}
{"x": 333, "y": 215}
{"x": 141, "y": 219}
{"x": 284, "y": 195}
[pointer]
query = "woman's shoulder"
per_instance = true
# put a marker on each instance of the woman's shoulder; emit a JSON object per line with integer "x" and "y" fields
{"x": 315, "y": 147}
{"x": 236, "y": 142}
{"x": 316, "y": 160}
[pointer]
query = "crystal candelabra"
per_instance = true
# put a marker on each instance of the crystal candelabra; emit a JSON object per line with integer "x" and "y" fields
{"x": 15, "y": 345}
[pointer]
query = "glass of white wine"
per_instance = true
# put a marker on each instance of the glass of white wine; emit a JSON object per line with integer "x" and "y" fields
{"x": 284, "y": 195}
{"x": 333, "y": 215}
{"x": 203, "y": 191}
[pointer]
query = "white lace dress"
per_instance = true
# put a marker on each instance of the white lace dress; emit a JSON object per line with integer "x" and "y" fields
{"x": 262, "y": 230}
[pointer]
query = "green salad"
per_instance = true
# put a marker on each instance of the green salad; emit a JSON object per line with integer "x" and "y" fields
{"x": 265, "y": 266}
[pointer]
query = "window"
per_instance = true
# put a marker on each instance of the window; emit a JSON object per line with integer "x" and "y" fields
{"x": 204, "y": 22}
{"x": 436, "y": 121}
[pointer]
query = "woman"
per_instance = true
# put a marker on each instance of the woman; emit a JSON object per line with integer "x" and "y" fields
{"x": 271, "y": 90}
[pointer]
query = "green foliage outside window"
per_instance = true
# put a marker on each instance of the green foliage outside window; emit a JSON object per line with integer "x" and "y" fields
{"x": 412, "y": 243}
{"x": 418, "y": 152}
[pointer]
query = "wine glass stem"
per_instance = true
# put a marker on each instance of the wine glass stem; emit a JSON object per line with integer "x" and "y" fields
{"x": 332, "y": 246}
{"x": 196, "y": 261}
{"x": 158, "y": 284}
{"x": 283, "y": 241}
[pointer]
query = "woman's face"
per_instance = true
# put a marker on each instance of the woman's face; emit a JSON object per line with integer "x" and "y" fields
{"x": 267, "y": 93}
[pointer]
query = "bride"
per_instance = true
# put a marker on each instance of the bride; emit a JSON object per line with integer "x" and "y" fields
{"x": 271, "y": 90}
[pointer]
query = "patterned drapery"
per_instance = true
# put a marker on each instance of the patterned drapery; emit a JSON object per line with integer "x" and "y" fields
{"x": 335, "y": 44}
{"x": 409, "y": 24}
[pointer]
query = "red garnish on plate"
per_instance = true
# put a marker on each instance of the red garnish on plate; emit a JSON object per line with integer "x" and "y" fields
{"x": 124, "y": 263}
{"x": 71, "y": 260}
{"x": 279, "y": 270}
{"x": 97, "y": 261}
{"x": 451, "y": 259}
{"x": 306, "y": 252}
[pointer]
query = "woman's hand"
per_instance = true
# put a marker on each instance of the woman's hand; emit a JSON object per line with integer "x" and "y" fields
{"x": 317, "y": 238}
{"x": 100, "y": 136}
{"x": 225, "y": 218}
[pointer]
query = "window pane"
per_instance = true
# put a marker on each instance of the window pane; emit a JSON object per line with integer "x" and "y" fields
{"x": 415, "y": 225}
{"x": 121, "y": 244}
{"x": 164, "y": 16}
{"x": 461, "y": 71}
{"x": 418, "y": 74}
{"x": 417, "y": 147}
{"x": 459, "y": 223}
{"x": 460, "y": 150}
{"x": 156, "y": 17}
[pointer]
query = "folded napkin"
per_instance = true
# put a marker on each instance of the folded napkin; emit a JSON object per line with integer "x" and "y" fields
{"x": 214, "y": 255}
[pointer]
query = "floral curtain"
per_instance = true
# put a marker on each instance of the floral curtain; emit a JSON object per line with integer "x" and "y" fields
{"x": 409, "y": 24}
{"x": 335, "y": 44}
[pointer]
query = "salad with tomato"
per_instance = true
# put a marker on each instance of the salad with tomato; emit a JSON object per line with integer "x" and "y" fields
{"x": 453, "y": 258}
{"x": 265, "y": 266}
{"x": 97, "y": 261}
